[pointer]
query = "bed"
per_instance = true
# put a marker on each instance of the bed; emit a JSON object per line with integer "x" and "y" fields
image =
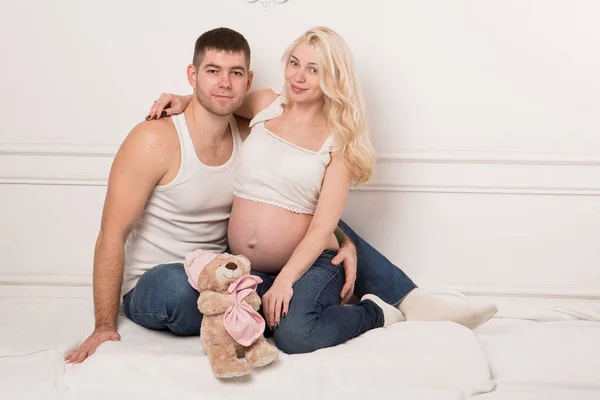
{"x": 535, "y": 353}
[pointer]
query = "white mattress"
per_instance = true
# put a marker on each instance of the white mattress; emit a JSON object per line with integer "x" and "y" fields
{"x": 508, "y": 358}
{"x": 542, "y": 360}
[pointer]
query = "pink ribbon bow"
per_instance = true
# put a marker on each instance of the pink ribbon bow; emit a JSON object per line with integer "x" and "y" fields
{"x": 241, "y": 321}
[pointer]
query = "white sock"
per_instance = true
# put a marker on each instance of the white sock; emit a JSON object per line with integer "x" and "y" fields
{"x": 391, "y": 314}
{"x": 420, "y": 305}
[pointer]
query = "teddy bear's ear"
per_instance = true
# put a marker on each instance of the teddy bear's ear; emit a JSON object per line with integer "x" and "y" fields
{"x": 242, "y": 259}
{"x": 191, "y": 256}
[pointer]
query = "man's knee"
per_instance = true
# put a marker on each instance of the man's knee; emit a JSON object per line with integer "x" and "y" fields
{"x": 167, "y": 282}
{"x": 165, "y": 291}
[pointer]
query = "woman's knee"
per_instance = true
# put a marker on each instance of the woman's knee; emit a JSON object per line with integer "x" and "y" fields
{"x": 295, "y": 335}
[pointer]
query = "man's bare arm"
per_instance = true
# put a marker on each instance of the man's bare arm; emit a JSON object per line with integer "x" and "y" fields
{"x": 136, "y": 170}
{"x": 138, "y": 166}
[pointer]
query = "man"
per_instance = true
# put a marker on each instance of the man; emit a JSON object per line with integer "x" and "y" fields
{"x": 170, "y": 191}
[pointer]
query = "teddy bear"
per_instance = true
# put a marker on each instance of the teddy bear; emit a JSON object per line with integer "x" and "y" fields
{"x": 231, "y": 329}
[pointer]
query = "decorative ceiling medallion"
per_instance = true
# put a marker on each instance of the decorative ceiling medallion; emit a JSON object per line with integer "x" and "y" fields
{"x": 266, "y": 3}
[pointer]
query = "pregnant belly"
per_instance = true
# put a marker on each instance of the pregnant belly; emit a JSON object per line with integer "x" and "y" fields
{"x": 267, "y": 234}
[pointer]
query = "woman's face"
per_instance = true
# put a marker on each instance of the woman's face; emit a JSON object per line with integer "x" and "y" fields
{"x": 302, "y": 75}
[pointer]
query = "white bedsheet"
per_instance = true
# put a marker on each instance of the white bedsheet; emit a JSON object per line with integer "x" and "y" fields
{"x": 554, "y": 355}
{"x": 33, "y": 376}
{"x": 408, "y": 355}
{"x": 31, "y": 325}
{"x": 548, "y": 359}
{"x": 424, "y": 361}
{"x": 540, "y": 393}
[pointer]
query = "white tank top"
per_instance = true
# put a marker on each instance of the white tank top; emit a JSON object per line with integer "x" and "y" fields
{"x": 278, "y": 172}
{"x": 190, "y": 212}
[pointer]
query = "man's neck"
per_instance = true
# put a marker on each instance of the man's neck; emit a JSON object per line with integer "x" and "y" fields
{"x": 206, "y": 125}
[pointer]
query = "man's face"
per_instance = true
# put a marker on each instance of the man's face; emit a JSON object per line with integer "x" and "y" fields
{"x": 221, "y": 81}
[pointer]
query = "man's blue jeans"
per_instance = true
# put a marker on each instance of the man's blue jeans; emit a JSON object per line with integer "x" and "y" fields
{"x": 163, "y": 299}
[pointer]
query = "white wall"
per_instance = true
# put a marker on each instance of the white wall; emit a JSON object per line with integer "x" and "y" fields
{"x": 485, "y": 114}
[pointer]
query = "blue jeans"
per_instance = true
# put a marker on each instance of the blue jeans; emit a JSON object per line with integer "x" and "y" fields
{"x": 164, "y": 300}
{"x": 375, "y": 274}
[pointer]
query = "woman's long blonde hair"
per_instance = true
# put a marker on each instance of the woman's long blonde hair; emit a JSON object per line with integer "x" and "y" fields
{"x": 344, "y": 109}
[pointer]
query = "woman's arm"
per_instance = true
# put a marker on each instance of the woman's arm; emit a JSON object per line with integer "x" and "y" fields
{"x": 168, "y": 104}
{"x": 172, "y": 104}
{"x": 332, "y": 200}
{"x": 255, "y": 102}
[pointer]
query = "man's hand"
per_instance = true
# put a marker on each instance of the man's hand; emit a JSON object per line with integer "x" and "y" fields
{"x": 89, "y": 346}
{"x": 347, "y": 257}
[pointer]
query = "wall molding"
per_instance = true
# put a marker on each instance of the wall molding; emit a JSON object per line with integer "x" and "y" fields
{"x": 488, "y": 157}
{"x": 370, "y": 187}
{"x": 469, "y": 289}
{"x": 44, "y": 160}
{"x": 42, "y": 279}
{"x": 51, "y": 181}
{"x": 526, "y": 291}
{"x": 400, "y": 155}
{"x": 512, "y": 190}
{"x": 57, "y": 149}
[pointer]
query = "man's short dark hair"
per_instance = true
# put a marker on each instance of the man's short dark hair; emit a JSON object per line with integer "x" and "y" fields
{"x": 221, "y": 39}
